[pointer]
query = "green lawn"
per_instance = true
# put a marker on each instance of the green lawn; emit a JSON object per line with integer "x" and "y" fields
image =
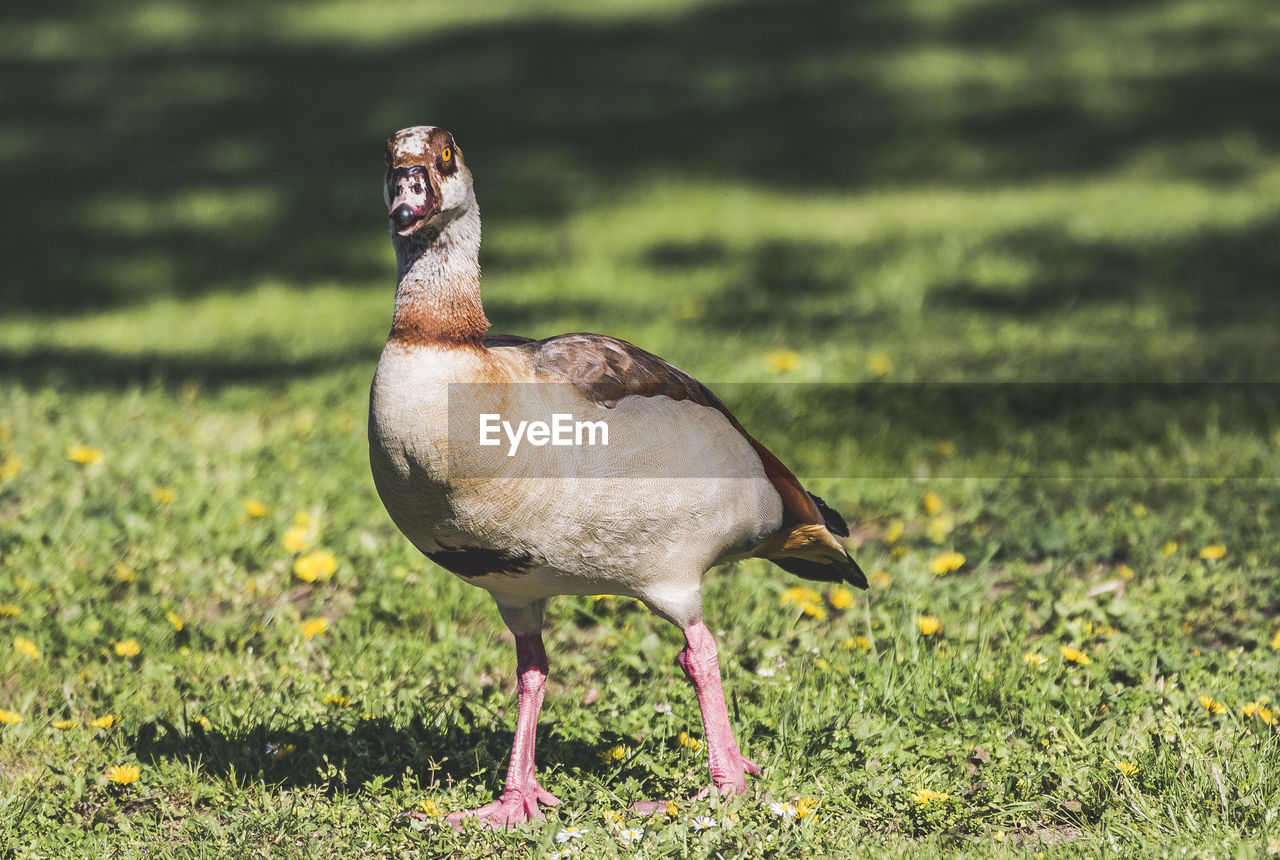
{"x": 996, "y": 278}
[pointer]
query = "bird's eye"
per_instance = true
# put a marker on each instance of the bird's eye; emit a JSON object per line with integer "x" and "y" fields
{"x": 446, "y": 154}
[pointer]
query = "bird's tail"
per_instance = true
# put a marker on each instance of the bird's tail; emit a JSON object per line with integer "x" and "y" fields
{"x": 810, "y": 550}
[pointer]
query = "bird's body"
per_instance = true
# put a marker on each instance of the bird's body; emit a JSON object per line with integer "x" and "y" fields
{"x": 679, "y": 487}
{"x": 513, "y": 526}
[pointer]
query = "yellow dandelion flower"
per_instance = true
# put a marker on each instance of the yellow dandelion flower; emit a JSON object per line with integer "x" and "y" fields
{"x": 822, "y": 665}
{"x": 430, "y": 808}
{"x": 9, "y": 718}
{"x": 687, "y": 740}
{"x": 879, "y": 363}
{"x": 317, "y": 565}
{"x": 124, "y": 774}
{"x": 65, "y": 725}
{"x": 862, "y": 643}
{"x": 614, "y": 754}
{"x": 26, "y": 647}
{"x": 10, "y": 467}
{"x": 929, "y": 624}
{"x": 925, "y": 796}
{"x": 1275, "y": 641}
{"x": 8, "y": 610}
{"x": 105, "y": 722}
{"x": 932, "y": 503}
{"x": 164, "y": 495}
{"x": 782, "y": 361}
{"x": 125, "y": 574}
{"x": 670, "y": 808}
{"x": 946, "y": 563}
{"x": 296, "y": 539}
{"x": 881, "y": 579}
{"x": 1257, "y": 709}
{"x": 1126, "y": 768}
{"x": 800, "y": 595}
{"x": 1125, "y": 572}
{"x": 338, "y": 701}
{"x": 1033, "y": 659}
{"x": 204, "y": 723}
{"x": 815, "y": 611}
{"x": 128, "y": 648}
{"x": 255, "y": 509}
{"x": 313, "y": 627}
{"x": 805, "y": 806}
{"x": 1075, "y": 655}
{"x": 175, "y": 620}
{"x": 840, "y": 597}
{"x": 85, "y": 455}
{"x": 1213, "y": 552}
{"x": 1169, "y": 548}
{"x": 893, "y": 531}
{"x": 1212, "y": 705}
{"x": 939, "y": 527}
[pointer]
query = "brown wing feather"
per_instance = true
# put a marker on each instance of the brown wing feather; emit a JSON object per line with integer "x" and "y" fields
{"x": 494, "y": 340}
{"x": 605, "y": 370}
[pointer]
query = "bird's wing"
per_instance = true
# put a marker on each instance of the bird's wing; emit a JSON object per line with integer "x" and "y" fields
{"x": 604, "y": 370}
{"x": 495, "y": 340}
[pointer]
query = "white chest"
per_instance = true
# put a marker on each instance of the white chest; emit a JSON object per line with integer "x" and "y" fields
{"x": 408, "y": 409}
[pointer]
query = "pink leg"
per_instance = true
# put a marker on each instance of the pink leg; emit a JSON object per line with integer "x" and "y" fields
{"x": 522, "y": 794}
{"x": 729, "y": 768}
{"x": 700, "y": 663}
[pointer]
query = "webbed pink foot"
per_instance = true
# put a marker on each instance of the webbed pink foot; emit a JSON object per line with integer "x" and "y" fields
{"x": 515, "y": 806}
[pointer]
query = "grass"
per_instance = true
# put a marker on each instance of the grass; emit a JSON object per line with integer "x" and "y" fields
{"x": 996, "y": 279}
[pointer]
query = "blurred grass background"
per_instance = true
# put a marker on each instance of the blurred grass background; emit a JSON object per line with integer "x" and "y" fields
{"x": 199, "y": 280}
{"x": 978, "y": 189}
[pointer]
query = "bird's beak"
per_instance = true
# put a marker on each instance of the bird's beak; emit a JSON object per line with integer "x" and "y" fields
{"x": 414, "y": 200}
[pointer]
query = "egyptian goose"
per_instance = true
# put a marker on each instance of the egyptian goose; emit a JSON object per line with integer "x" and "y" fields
{"x": 679, "y": 487}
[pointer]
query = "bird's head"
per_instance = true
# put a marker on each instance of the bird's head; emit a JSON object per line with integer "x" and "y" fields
{"x": 428, "y": 184}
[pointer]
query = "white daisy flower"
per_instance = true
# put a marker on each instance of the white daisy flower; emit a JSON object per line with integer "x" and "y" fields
{"x": 766, "y": 671}
{"x": 704, "y": 822}
{"x": 661, "y": 708}
{"x": 785, "y": 810}
{"x": 571, "y": 833}
{"x": 631, "y": 834}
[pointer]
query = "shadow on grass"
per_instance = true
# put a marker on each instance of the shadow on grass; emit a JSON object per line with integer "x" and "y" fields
{"x": 343, "y": 755}
{"x": 1216, "y": 278}
{"x": 89, "y": 368}
{"x": 229, "y": 153}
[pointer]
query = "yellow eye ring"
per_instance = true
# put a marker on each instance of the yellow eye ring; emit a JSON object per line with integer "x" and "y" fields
{"x": 446, "y": 154}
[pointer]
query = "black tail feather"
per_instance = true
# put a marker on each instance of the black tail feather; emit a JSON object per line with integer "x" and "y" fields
{"x": 826, "y": 571}
{"x": 823, "y": 572}
{"x": 831, "y": 518}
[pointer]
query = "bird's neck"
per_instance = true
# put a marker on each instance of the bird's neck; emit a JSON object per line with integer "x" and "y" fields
{"x": 438, "y": 285}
